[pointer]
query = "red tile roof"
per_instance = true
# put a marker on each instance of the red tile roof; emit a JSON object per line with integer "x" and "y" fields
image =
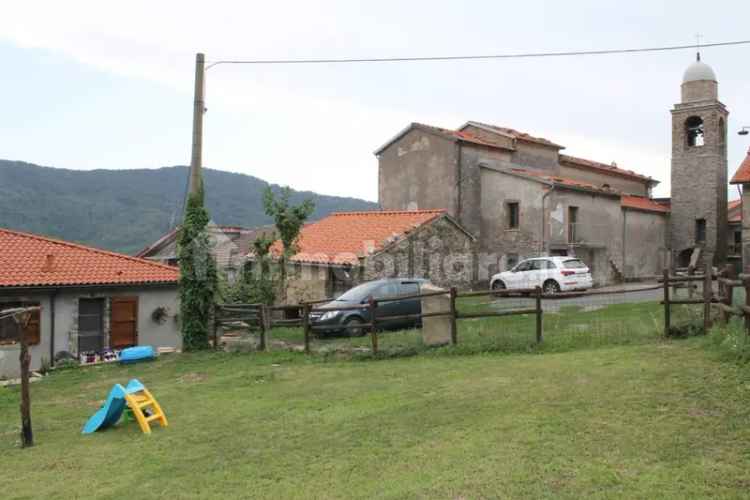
{"x": 461, "y": 136}
{"x": 564, "y": 181}
{"x": 521, "y": 136}
{"x": 604, "y": 168}
{"x": 28, "y": 260}
{"x": 735, "y": 205}
{"x": 643, "y": 203}
{"x": 344, "y": 237}
{"x": 742, "y": 175}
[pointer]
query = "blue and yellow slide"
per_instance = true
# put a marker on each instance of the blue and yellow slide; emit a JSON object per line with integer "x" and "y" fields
{"x": 141, "y": 402}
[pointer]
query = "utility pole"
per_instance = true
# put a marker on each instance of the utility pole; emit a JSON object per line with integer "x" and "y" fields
{"x": 199, "y": 107}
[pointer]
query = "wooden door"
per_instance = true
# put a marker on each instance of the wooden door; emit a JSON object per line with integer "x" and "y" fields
{"x": 124, "y": 322}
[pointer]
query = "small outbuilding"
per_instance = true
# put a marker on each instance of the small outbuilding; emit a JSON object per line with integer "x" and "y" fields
{"x": 90, "y": 300}
{"x": 348, "y": 248}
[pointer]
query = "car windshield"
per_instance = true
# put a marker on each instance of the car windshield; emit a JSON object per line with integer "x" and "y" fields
{"x": 359, "y": 293}
{"x": 574, "y": 264}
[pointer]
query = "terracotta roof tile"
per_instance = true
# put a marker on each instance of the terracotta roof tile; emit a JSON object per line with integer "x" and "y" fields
{"x": 28, "y": 260}
{"x": 604, "y": 168}
{"x": 643, "y": 203}
{"x": 344, "y": 237}
{"x": 522, "y": 136}
{"x": 736, "y": 206}
{"x": 742, "y": 175}
{"x": 564, "y": 181}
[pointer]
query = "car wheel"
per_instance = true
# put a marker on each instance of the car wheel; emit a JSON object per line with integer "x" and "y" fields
{"x": 551, "y": 287}
{"x": 355, "y": 328}
{"x": 498, "y": 285}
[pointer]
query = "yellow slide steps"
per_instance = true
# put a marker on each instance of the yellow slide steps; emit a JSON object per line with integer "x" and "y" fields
{"x": 142, "y": 401}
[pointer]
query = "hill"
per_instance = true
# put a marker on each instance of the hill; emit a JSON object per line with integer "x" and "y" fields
{"x": 125, "y": 210}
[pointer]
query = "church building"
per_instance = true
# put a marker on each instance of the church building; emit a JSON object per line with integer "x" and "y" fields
{"x": 521, "y": 196}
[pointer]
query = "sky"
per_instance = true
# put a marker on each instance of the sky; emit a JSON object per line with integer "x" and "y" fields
{"x": 92, "y": 85}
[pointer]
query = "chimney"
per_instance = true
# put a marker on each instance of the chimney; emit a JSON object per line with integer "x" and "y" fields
{"x": 49, "y": 263}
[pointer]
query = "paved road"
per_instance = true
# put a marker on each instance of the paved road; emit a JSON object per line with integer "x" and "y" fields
{"x": 587, "y": 302}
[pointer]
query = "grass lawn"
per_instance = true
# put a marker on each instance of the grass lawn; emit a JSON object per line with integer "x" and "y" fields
{"x": 661, "y": 419}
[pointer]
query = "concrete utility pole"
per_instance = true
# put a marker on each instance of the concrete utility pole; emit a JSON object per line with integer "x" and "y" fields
{"x": 199, "y": 107}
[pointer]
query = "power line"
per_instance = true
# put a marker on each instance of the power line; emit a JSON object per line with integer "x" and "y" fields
{"x": 526, "y": 55}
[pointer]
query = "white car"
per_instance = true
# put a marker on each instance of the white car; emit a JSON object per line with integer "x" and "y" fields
{"x": 553, "y": 274}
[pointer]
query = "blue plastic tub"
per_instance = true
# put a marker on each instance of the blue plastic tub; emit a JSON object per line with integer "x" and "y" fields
{"x": 135, "y": 354}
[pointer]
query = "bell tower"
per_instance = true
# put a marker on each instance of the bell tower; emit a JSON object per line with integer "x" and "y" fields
{"x": 699, "y": 168}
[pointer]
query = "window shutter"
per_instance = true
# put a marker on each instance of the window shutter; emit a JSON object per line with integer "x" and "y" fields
{"x": 32, "y": 329}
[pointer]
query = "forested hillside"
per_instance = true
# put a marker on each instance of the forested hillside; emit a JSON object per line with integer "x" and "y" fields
{"x": 124, "y": 210}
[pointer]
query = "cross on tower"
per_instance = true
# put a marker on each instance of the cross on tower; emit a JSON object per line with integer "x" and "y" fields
{"x": 698, "y": 38}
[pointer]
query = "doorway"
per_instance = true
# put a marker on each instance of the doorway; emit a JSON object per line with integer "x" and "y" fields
{"x": 124, "y": 322}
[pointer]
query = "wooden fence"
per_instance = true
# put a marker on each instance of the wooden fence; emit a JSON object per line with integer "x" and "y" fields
{"x": 721, "y": 300}
{"x": 262, "y": 319}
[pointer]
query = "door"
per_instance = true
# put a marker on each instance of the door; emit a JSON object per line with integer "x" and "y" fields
{"x": 124, "y": 322}
{"x": 90, "y": 325}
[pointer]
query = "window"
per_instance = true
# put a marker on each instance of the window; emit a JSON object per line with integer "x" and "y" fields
{"x": 737, "y": 247}
{"x": 513, "y": 214}
{"x": 90, "y": 325}
{"x": 572, "y": 224}
{"x": 694, "y": 131}
{"x": 574, "y": 264}
{"x": 9, "y": 332}
{"x": 524, "y": 266}
{"x": 700, "y": 230}
{"x": 409, "y": 288}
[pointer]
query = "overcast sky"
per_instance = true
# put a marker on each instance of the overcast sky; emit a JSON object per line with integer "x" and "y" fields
{"x": 109, "y": 85}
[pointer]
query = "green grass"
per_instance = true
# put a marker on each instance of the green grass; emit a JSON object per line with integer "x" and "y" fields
{"x": 663, "y": 419}
{"x": 571, "y": 328}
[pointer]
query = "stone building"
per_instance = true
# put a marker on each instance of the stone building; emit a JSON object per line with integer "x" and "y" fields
{"x": 348, "y": 248}
{"x": 522, "y": 197}
{"x": 699, "y": 167}
{"x": 742, "y": 178}
{"x": 229, "y": 246}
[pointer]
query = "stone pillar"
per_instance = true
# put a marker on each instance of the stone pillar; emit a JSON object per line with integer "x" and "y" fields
{"x": 436, "y": 331}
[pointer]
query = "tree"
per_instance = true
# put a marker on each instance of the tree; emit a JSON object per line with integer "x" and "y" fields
{"x": 289, "y": 220}
{"x": 198, "y": 276}
{"x": 256, "y": 283}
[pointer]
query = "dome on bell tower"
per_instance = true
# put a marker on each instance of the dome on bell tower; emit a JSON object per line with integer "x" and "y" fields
{"x": 699, "y": 82}
{"x": 698, "y": 71}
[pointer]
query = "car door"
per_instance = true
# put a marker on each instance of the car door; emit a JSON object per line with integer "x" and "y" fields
{"x": 410, "y": 306}
{"x": 547, "y": 270}
{"x": 520, "y": 275}
{"x": 387, "y": 308}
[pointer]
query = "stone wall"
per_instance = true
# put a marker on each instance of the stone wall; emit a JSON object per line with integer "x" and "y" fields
{"x": 419, "y": 171}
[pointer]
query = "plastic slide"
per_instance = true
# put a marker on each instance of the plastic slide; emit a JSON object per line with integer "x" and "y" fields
{"x": 109, "y": 414}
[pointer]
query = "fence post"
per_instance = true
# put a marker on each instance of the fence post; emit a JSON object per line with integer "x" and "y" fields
{"x": 708, "y": 293}
{"x": 216, "y": 308}
{"x": 538, "y": 297}
{"x": 745, "y": 315}
{"x": 454, "y": 328}
{"x": 371, "y": 307}
{"x": 691, "y": 289}
{"x": 306, "y": 326}
{"x": 667, "y": 319}
{"x": 264, "y": 320}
